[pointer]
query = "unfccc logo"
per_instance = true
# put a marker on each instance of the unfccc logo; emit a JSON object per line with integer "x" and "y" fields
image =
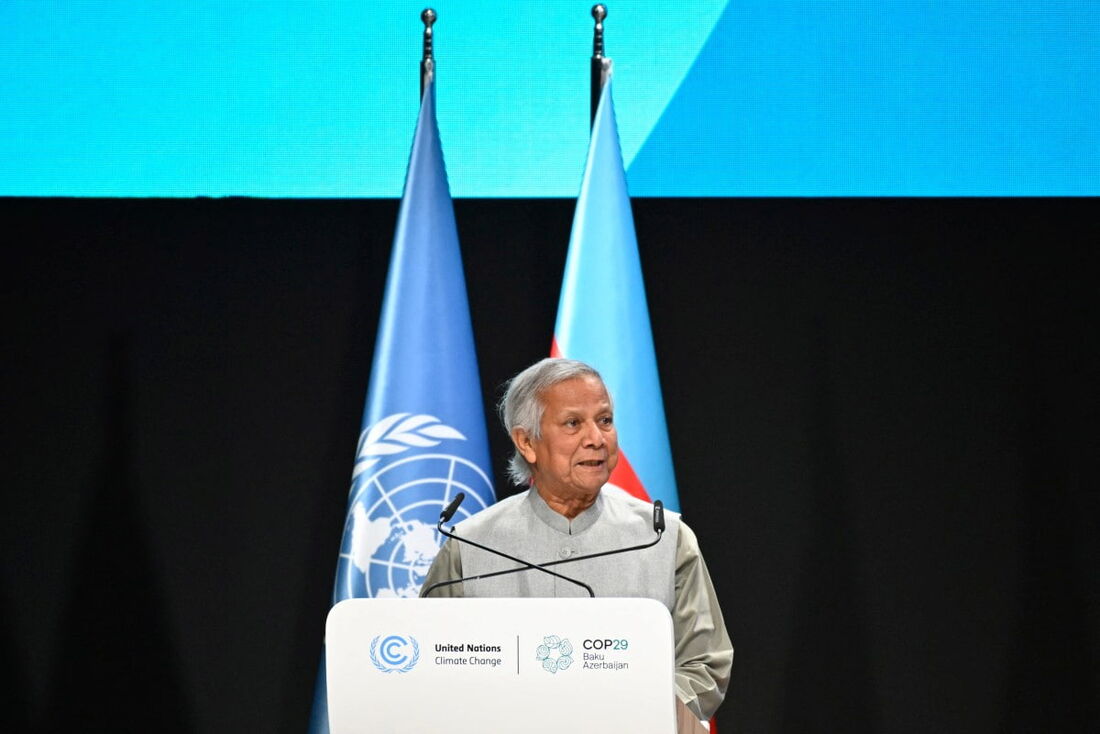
{"x": 394, "y": 653}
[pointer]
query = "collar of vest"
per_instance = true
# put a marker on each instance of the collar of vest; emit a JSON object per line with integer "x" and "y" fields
{"x": 561, "y": 523}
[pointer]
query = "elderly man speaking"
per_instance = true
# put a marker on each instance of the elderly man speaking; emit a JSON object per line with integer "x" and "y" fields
{"x": 560, "y": 418}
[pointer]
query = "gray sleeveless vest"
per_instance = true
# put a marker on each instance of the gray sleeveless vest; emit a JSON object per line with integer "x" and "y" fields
{"x": 526, "y": 527}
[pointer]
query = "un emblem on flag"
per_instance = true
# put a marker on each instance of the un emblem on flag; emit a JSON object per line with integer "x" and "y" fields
{"x": 402, "y": 481}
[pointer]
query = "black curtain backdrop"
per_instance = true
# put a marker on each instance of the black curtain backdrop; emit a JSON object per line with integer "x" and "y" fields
{"x": 882, "y": 414}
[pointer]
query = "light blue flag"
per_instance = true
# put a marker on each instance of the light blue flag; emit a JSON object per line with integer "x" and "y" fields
{"x": 423, "y": 438}
{"x": 603, "y": 275}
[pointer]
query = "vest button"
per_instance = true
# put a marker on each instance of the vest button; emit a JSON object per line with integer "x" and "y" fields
{"x": 565, "y": 552}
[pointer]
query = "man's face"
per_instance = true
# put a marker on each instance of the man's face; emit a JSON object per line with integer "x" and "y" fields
{"x": 579, "y": 445}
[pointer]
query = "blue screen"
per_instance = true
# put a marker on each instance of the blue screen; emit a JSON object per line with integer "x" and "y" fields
{"x": 297, "y": 98}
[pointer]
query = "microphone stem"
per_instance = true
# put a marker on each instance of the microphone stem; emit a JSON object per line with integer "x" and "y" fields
{"x": 542, "y": 567}
{"x": 510, "y": 558}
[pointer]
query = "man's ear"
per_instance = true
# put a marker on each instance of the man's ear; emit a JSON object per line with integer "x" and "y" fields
{"x": 523, "y": 444}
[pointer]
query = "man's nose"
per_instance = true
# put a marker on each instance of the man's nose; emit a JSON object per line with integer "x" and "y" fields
{"x": 593, "y": 436}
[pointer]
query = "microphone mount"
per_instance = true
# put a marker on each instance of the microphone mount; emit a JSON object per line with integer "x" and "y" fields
{"x": 658, "y": 529}
{"x": 449, "y": 512}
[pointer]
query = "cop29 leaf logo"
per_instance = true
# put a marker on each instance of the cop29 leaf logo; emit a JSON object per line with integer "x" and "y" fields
{"x": 554, "y": 653}
{"x": 394, "y": 653}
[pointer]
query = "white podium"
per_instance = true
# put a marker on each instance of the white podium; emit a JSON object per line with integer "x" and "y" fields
{"x": 500, "y": 665}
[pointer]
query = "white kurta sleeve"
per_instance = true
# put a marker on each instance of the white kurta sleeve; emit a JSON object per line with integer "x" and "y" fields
{"x": 704, "y": 653}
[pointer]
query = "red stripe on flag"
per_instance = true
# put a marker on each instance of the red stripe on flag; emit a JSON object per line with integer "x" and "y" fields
{"x": 624, "y": 477}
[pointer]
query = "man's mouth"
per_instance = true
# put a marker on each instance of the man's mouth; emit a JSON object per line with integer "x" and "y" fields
{"x": 594, "y": 463}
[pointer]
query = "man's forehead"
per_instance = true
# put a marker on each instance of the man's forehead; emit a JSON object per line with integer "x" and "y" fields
{"x": 577, "y": 393}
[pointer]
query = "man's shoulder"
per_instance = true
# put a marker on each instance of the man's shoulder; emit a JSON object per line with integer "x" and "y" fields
{"x": 506, "y": 506}
{"x": 620, "y": 501}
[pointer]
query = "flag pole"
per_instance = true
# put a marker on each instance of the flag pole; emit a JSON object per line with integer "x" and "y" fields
{"x": 427, "y": 61}
{"x": 601, "y": 66}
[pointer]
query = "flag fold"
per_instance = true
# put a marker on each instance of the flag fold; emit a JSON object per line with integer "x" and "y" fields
{"x": 423, "y": 437}
{"x": 603, "y": 317}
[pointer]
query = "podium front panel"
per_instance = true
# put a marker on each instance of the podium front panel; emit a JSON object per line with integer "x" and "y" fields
{"x": 499, "y": 665}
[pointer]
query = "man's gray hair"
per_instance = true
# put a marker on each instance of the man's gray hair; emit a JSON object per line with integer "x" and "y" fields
{"x": 522, "y": 406}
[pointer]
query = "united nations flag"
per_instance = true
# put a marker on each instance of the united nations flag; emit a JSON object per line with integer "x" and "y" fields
{"x": 423, "y": 437}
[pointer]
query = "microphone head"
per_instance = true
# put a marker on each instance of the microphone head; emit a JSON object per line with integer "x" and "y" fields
{"x": 450, "y": 510}
{"x": 659, "y": 516}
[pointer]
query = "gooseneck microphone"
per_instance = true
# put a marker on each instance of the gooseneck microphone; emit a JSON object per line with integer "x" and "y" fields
{"x": 658, "y": 528}
{"x": 448, "y": 513}
{"x": 658, "y": 519}
{"x": 450, "y": 510}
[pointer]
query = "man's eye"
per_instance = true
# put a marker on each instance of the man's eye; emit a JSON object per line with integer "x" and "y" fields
{"x": 606, "y": 420}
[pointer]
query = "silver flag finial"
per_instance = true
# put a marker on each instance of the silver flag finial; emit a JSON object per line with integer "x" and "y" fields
{"x": 599, "y": 12}
{"x": 427, "y": 61}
